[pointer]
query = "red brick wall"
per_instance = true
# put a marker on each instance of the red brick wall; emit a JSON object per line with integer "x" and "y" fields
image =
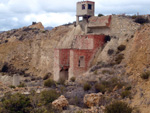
{"x": 88, "y": 54}
{"x": 64, "y": 55}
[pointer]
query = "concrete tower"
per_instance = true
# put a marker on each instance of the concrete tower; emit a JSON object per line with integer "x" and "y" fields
{"x": 84, "y": 9}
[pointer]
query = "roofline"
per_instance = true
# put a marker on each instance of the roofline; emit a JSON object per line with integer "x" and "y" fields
{"x": 86, "y": 2}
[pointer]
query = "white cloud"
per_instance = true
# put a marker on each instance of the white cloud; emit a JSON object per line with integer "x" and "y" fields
{"x": 50, "y": 19}
{"x": 19, "y": 13}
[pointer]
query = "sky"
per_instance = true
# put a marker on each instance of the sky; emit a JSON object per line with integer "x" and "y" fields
{"x": 19, "y": 13}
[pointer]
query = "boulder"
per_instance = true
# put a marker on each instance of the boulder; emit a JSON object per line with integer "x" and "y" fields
{"x": 94, "y": 110}
{"x": 37, "y": 25}
{"x": 60, "y": 103}
{"x": 92, "y": 99}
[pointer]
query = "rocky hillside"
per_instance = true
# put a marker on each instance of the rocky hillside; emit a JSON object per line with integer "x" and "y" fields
{"x": 118, "y": 69}
{"x": 30, "y": 49}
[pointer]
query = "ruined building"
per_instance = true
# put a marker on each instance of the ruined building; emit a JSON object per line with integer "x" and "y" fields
{"x": 71, "y": 62}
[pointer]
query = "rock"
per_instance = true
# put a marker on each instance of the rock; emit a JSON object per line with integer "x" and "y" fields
{"x": 92, "y": 99}
{"x": 60, "y": 103}
{"x": 37, "y": 25}
{"x": 94, "y": 110}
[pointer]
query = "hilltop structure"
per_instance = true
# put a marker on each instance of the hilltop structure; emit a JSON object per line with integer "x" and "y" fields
{"x": 70, "y": 62}
{"x": 85, "y": 9}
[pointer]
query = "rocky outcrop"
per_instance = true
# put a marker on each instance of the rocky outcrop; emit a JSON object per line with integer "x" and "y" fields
{"x": 30, "y": 49}
{"x": 37, "y": 25}
{"x": 92, "y": 99}
{"x": 60, "y": 103}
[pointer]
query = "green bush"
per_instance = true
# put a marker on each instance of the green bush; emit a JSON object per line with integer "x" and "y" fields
{"x": 100, "y": 88}
{"x": 11, "y": 86}
{"x": 107, "y": 72}
{"x": 121, "y": 47}
{"x": 47, "y": 76}
{"x": 118, "y": 107}
{"x": 16, "y": 103}
{"x": 99, "y": 15}
{"x": 49, "y": 83}
{"x": 145, "y": 75}
{"x": 49, "y": 96}
{"x": 110, "y": 51}
{"x": 141, "y": 20}
{"x": 128, "y": 88}
{"x": 86, "y": 87}
{"x": 95, "y": 72}
{"x": 73, "y": 79}
{"x": 109, "y": 85}
{"x": 125, "y": 94}
{"x": 61, "y": 81}
{"x": 119, "y": 58}
{"x": 22, "y": 85}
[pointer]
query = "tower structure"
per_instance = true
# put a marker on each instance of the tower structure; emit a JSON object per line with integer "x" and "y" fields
{"x": 85, "y": 9}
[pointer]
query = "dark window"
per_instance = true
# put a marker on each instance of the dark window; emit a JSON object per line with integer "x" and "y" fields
{"x": 89, "y": 6}
{"x": 83, "y": 6}
{"x": 81, "y": 61}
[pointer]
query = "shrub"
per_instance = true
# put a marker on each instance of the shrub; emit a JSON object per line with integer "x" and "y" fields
{"x": 61, "y": 81}
{"x": 121, "y": 47}
{"x": 49, "y": 96}
{"x": 86, "y": 87}
{"x": 145, "y": 75}
{"x": 16, "y": 103}
{"x": 141, "y": 20}
{"x": 99, "y": 15}
{"x": 11, "y": 86}
{"x": 110, "y": 51}
{"x": 107, "y": 72}
{"x": 119, "y": 58}
{"x": 126, "y": 93}
{"x": 118, "y": 107}
{"x": 100, "y": 88}
{"x": 73, "y": 79}
{"x": 49, "y": 83}
{"x": 95, "y": 72}
{"x": 47, "y": 76}
{"x": 134, "y": 17}
{"x": 109, "y": 85}
{"x": 22, "y": 85}
{"x": 116, "y": 82}
{"x": 128, "y": 88}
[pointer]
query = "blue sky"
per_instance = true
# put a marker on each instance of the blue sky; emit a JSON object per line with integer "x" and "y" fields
{"x": 19, "y": 13}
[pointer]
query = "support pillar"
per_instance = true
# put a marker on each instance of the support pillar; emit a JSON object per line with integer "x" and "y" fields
{"x": 77, "y": 20}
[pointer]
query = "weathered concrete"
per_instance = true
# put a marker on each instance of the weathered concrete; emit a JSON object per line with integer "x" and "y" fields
{"x": 85, "y": 9}
{"x": 16, "y": 80}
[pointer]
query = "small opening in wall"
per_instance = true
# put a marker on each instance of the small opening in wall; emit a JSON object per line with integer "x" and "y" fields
{"x": 83, "y": 6}
{"x": 81, "y": 61}
{"x": 89, "y": 6}
{"x": 107, "y": 38}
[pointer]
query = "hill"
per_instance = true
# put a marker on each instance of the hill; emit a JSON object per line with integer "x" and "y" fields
{"x": 48, "y": 28}
{"x": 115, "y": 69}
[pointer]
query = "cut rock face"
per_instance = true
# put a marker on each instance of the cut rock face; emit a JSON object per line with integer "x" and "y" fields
{"x": 60, "y": 103}
{"x": 92, "y": 99}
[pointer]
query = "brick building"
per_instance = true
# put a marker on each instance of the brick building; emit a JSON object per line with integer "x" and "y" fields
{"x": 76, "y": 61}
